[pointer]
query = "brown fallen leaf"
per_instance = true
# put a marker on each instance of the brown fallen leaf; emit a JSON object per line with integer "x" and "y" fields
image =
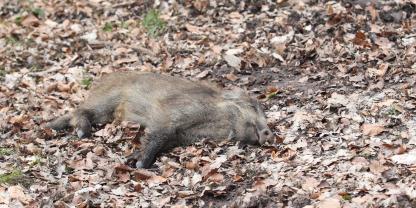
{"x": 123, "y": 168}
{"x": 183, "y": 194}
{"x": 373, "y": 13}
{"x": 360, "y": 161}
{"x": 192, "y": 28}
{"x": 237, "y": 178}
{"x": 329, "y": 203}
{"x": 309, "y": 184}
{"x": 207, "y": 170}
{"x": 168, "y": 171}
{"x": 192, "y": 165}
{"x": 233, "y": 60}
{"x": 330, "y": 10}
{"x": 30, "y": 21}
{"x": 216, "y": 178}
{"x": 123, "y": 177}
{"x": 156, "y": 180}
{"x": 19, "y": 119}
{"x": 372, "y": 129}
{"x": 260, "y": 185}
{"x": 401, "y": 149}
{"x": 125, "y": 60}
{"x": 377, "y": 167}
{"x": 162, "y": 202}
{"x": 141, "y": 174}
{"x": 3, "y": 199}
{"x": 285, "y": 155}
{"x": 33, "y": 149}
{"x": 17, "y": 192}
{"x": 413, "y": 169}
{"x": 406, "y": 159}
{"x": 335, "y": 18}
{"x": 203, "y": 74}
{"x": 99, "y": 150}
{"x": 60, "y": 87}
{"x": 216, "y": 48}
{"x": 201, "y": 5}
{"x": 151, "y": 178}
{"x": 138, "y": 188}
{"x": 231, "y": 77}
{"x": 361, "y": 39}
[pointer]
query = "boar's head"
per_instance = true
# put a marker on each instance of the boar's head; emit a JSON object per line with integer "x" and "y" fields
{"x": 249, "y": 121}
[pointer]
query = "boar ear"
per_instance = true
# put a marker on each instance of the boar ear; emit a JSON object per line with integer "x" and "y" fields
{"x": 234, "y": 93}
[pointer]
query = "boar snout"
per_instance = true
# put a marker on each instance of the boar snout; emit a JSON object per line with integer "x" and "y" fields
{"x": 265, "y": 135}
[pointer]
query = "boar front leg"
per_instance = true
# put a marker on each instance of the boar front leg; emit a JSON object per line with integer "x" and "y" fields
{"x": 80, "y": 119}
{"x": 151, "y": 145}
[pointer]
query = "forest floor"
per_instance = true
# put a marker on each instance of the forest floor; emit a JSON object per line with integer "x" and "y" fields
{"x": 336, "y": 79}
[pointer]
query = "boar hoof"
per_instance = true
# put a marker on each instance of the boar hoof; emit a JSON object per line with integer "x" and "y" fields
{"x": 82, "y": 134}
{"x": 133, "y": 160}
{"x": 139, "y": 164}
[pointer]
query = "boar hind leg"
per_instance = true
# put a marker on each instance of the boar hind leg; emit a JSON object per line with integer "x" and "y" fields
{"x": 60, "y": 123}
{"x": 151, "y": 146}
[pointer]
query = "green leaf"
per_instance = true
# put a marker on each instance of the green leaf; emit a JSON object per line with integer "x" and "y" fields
{"x": 5, "y": 151}
{"x": 152, "y": 22}
{"x": 38, "y": 12}
{"x": 108, "y": 27}
{"x": 11, "y": 177}
{"x": 18, "y": 20}
{"x": 86, "y": 82}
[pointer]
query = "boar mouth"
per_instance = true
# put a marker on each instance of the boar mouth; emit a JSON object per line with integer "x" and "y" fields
{"x": 258, "y": 140}
{"x": 264, "y": 135}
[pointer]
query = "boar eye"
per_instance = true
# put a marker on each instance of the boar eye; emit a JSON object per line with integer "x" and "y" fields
{"x": 248, "y": 124}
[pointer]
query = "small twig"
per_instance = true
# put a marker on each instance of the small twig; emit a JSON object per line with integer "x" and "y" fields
{"x": 55, "y": 68}
{"x": 125, "y": 4}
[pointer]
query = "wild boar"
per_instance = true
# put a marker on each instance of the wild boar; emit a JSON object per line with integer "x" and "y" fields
{"x": 175, "y": 112}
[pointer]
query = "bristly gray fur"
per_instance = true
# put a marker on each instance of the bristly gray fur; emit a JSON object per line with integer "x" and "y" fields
{"x": 176, "y": 112}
